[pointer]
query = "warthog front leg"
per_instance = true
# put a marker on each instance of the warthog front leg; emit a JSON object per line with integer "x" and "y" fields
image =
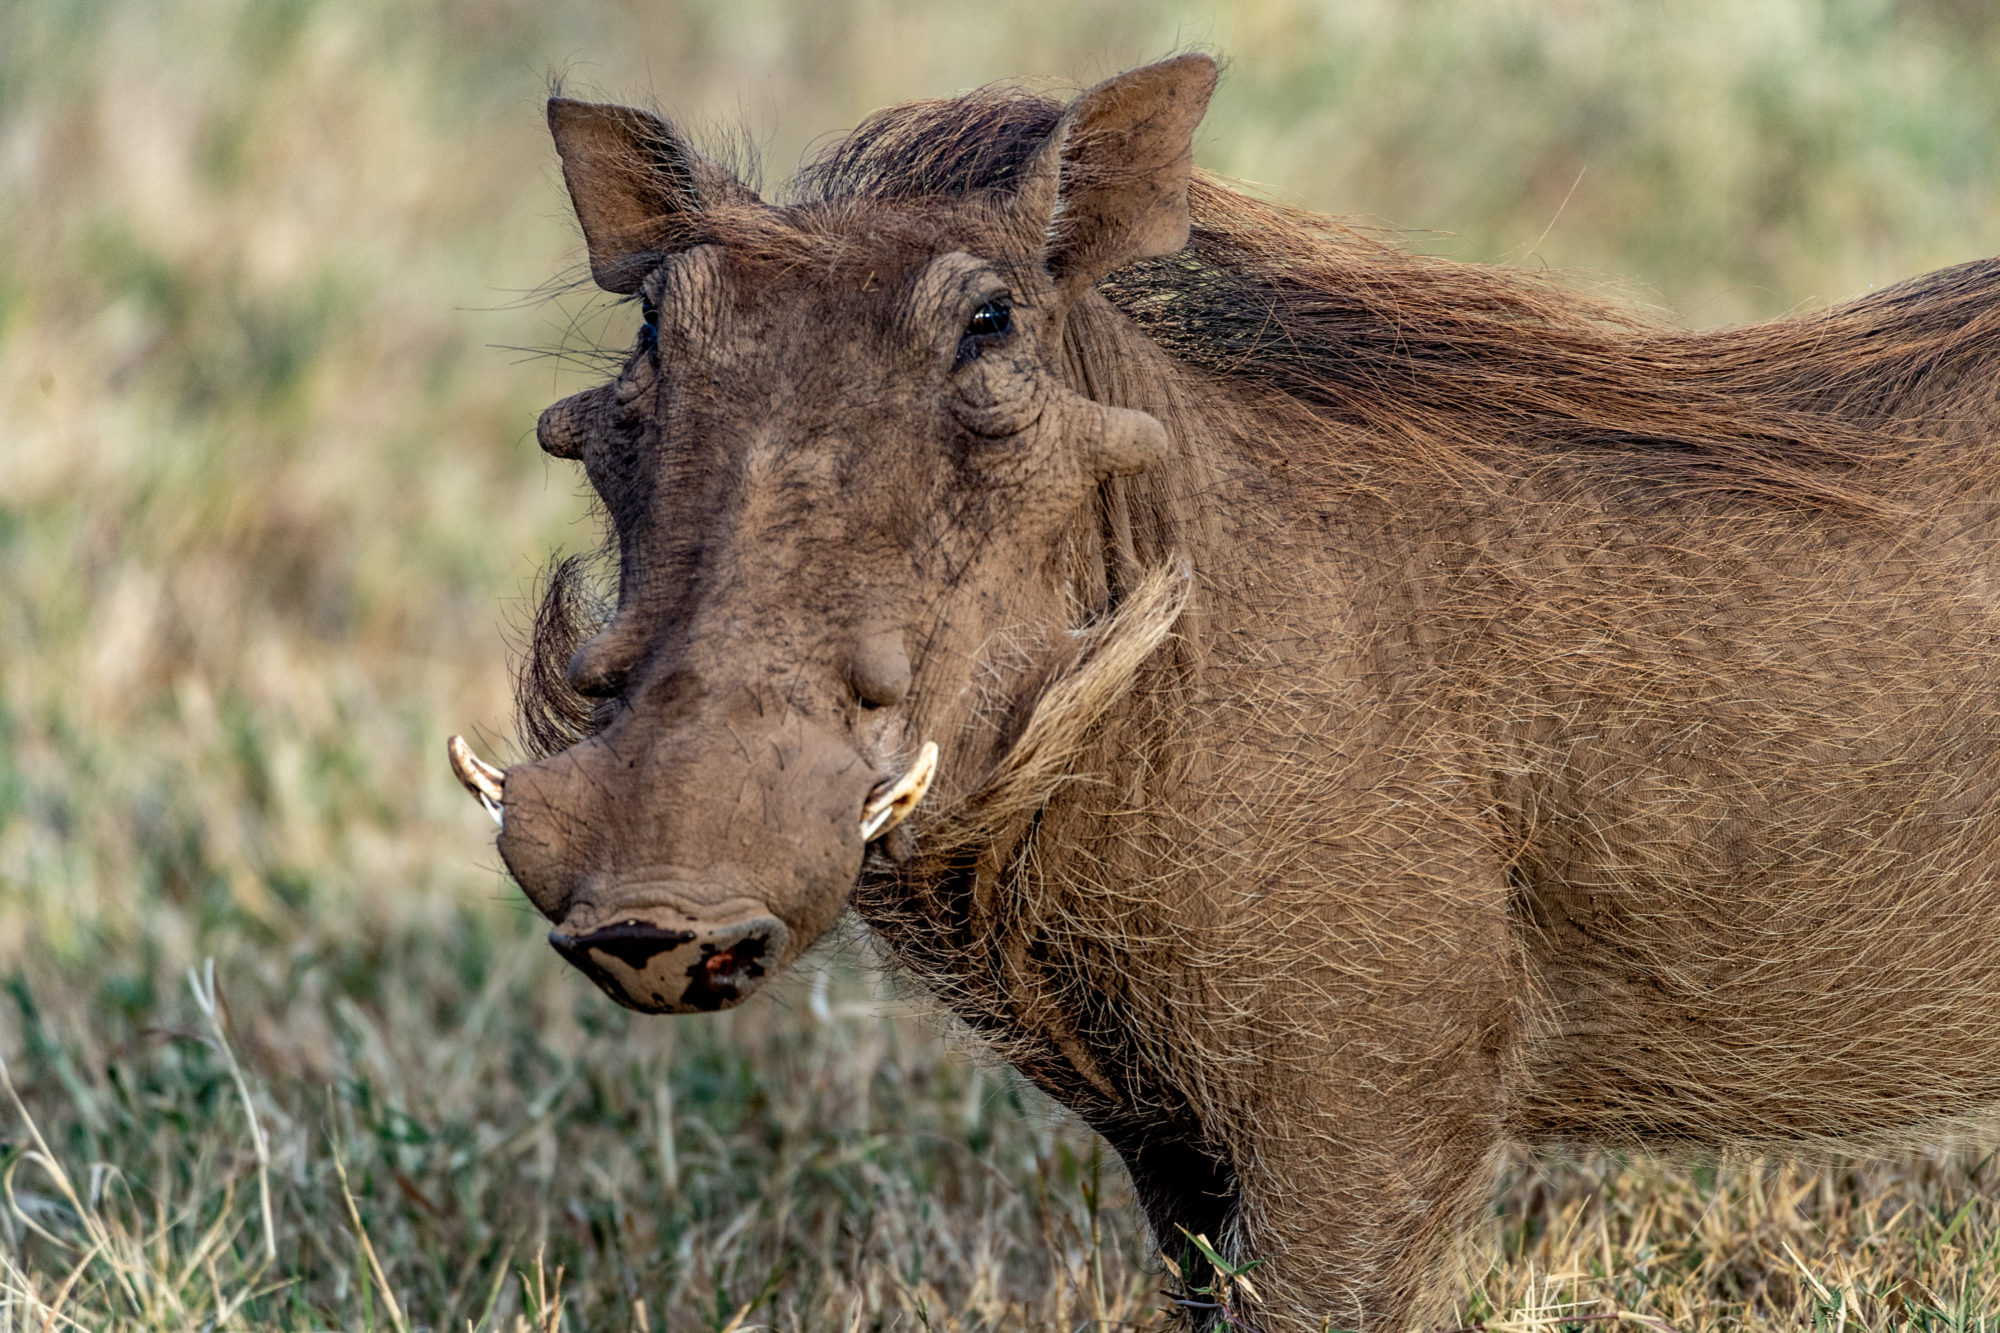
{"x": 1365, "y": 1128}
{"x": 1187, "y": 1187}
{"x": 1353, "y": 1236}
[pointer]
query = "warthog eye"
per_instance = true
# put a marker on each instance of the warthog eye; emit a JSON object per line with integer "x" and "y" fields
{"x": 988, "y": 325}
{"x": 649, "y": 330}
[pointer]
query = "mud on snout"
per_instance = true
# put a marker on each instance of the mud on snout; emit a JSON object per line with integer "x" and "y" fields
{"x": 676, "y": 968}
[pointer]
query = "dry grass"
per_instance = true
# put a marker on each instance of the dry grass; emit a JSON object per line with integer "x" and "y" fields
{"x": 266, "y": 487}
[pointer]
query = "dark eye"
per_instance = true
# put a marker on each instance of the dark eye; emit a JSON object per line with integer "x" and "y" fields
{"x": 989, "y": 321}
{"x": 988, "y": 325}
{"x": 649, "y": 331}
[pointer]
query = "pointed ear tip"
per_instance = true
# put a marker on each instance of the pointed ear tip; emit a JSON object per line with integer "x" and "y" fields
{"x": 576, "y": 111}
{"x": 1192, "y": 76}
{"x": 1198, "y": 69}
{"x": 564, "y": 111}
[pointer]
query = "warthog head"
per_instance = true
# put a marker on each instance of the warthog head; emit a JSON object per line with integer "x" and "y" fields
{"x": 843, "y": 466}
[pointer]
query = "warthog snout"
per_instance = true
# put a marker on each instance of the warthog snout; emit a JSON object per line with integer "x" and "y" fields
{"x": 676, "y": 968}
{"x": 682, "y": 868}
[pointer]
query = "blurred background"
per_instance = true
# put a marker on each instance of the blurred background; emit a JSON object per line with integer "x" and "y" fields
{"x": 275, "y": 322}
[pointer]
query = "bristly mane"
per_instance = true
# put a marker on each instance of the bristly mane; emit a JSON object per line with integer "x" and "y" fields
{"x": 1450, "y": 363}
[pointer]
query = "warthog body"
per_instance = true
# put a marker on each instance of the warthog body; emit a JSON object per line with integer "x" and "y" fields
{"x": 1388, "y": 709}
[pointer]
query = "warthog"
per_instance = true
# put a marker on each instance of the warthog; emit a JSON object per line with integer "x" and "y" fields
{"x": 1381, "y": 709}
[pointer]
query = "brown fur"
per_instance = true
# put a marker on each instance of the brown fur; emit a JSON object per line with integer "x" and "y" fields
{"x": 1496, "y": 718}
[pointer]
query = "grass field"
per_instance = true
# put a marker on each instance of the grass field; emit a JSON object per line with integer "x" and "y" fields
{"x": 274, "y": 327}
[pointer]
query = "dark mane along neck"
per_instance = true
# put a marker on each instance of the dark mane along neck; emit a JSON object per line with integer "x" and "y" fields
{"x": 1450, "y": 364}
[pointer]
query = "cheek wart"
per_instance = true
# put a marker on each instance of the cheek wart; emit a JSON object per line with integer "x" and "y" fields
{"x": 881, "y": 668}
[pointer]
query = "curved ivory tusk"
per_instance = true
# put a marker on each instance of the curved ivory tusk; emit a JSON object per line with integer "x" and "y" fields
{"x": 891, "y": 804}
{"x": 484, "y": 781}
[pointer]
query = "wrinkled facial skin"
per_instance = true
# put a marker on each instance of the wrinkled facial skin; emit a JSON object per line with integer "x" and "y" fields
{"x": 838, "y": 463}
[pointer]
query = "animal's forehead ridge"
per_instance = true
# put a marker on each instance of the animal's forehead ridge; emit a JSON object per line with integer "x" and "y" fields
{"x": 849, "y": 244}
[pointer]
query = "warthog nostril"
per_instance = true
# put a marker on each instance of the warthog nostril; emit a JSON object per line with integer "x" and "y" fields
{"x": 633, "y": 943}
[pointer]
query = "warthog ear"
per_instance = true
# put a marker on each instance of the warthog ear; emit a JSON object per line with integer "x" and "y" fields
{"x": 627, "y": 171}
{"x": 1111, "y": 186}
